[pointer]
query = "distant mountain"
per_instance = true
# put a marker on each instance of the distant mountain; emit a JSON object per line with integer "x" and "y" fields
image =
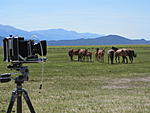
{"x": 50, "y": 34}
{"x": 61, "y": 34}
{"x": 6, "y": 30}
{"x": 61, "y": 37}
{"x": 104, "y": 40}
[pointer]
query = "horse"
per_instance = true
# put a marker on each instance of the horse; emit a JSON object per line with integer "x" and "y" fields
{"x": 89, "y": 56}
{"x": 110, "y": 54}
{"x": 82, "y": 54}
{"x": 99, "y": 55}
{"x": 123, "y": 53}
{"x": 131, "y": 54}
{"x": 120, "y": 52}
{"x": 73, "y": 52}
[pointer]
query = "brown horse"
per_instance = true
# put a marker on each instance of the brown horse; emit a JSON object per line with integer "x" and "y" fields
{"x": 82, "y": 54}
{"x": 89, "y": 56}
{"x": 72, "y": 52}
{"x": 118, "y": 53}
{"x": 110, "y": 54}
{"x": 131, "y": 54}
{"x": 123, "y": 53}
{"x": 99, "y": 55}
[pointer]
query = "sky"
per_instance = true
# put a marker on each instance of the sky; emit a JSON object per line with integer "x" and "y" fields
{"x": 128, "y": 18}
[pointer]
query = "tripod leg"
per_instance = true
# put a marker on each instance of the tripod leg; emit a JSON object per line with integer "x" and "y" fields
{"x": 12, "y": 100}
{"x": 27, "y": 99}
{"x": 19, "y": 101}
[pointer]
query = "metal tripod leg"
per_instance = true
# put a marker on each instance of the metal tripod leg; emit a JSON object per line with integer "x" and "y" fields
{"x": 27, "y": 99}
{"x": 12, "y": 100}
{"x": 19, "y": 100}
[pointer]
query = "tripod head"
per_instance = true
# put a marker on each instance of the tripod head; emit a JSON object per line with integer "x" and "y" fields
{"x": 23, "y": 70}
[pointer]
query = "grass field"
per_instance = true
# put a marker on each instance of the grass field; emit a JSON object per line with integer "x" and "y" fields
{"x": 85, "y": 87}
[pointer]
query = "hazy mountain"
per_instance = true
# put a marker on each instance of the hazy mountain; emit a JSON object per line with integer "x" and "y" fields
{"x": 50, "y": 34}
{"x": 104, "y": 40}
{"x": 61, "y": 34}
{"x": 6, "y": 30}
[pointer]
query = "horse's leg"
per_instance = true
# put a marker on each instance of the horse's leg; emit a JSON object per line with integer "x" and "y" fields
{"x": 116, "y": 59}
{"x": 103, "y": 59}
{"x": 71, "y": 57}
{"x": 131, "y": 60}
{"x": 79, "y": 57}
{"x": 100, "y": 58}
{"x": 96, "y": 57}
{"x": 84, "y": 58}
{"x": 87, "y": 58}
{"x": 90, "y": 58}
{"x": 112, "y": 58}
{"x": 126, "y": 59}
{"x": 123, "y": 59}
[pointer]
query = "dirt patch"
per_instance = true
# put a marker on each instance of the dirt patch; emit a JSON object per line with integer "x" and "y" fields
{"x": 136, "y": 82}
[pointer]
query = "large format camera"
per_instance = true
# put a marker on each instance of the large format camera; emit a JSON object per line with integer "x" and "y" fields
{"x": 17, "y": 49}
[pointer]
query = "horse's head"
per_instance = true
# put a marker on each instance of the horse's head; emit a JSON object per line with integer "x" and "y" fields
{"x": 114, "y": 48}
{"x": 97, "y": 49}
{"x": 78, "y": 49}
{"x": 86, "y": 50}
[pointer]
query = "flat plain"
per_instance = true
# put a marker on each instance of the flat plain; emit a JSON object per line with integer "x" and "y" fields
{"x": 84, "y": 87}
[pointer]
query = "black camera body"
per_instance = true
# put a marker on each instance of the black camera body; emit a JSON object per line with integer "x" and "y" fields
{"x": 17, "y": 49}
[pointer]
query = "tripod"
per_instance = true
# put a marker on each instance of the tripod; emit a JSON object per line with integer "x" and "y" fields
{"x": 18, "y": 91}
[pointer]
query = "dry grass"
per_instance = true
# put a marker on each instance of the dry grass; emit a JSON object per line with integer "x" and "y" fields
{"x": 90, "y": 94}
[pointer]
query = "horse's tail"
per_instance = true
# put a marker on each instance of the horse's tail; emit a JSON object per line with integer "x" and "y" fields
{"x": 134, "y": 54}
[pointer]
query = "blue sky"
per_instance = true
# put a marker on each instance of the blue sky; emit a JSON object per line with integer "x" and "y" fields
{"x": 129, "y": 18}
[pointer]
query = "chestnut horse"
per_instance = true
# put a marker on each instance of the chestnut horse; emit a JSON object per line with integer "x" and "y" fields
{"x": 120, "y": 52}
{"x": 72, "y": 52}
{"x": 99, "y": 55}
{"x": 123, "y": 53}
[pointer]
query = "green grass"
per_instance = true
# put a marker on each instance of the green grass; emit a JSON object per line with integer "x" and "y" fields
{"x": 85, "y": 87}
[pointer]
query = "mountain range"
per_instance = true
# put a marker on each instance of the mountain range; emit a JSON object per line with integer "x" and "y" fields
{"x": 61, "y": 37}
{"x": 104, "y": 40}
{"x": 50, "y": 34}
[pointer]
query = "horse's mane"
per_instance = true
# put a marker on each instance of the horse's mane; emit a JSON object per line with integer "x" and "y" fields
{"x": 114, "y": 48}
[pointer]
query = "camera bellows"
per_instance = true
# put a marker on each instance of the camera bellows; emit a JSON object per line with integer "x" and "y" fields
{"x": 18, "y": 49}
